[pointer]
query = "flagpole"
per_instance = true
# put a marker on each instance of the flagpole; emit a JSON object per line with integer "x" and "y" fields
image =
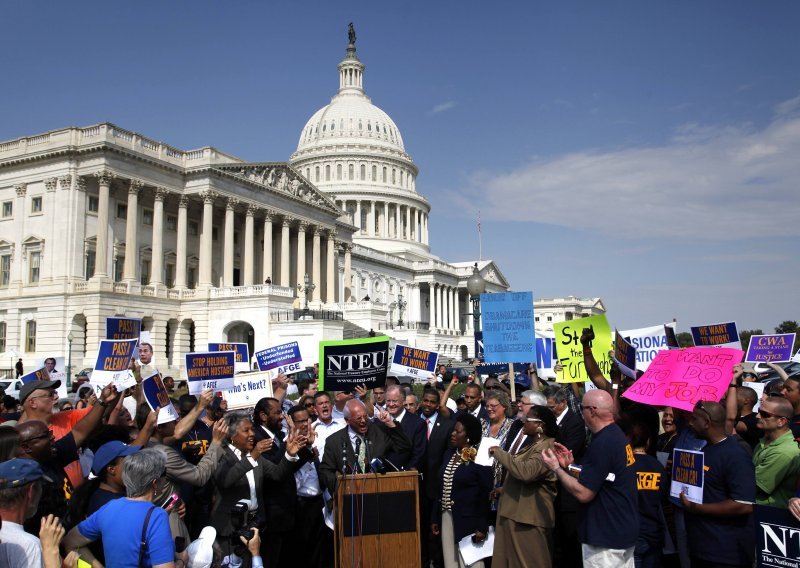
{"x": 480, "y": 238}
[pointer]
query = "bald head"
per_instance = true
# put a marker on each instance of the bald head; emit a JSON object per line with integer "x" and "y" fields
{"x": 778, "y": 406}
{"x": 600, "y": 400}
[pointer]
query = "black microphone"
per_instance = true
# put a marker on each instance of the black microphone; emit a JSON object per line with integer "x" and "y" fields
{"x": 358, "y": 451}
{"x": 367, "y": 463}
{"x": 344, "y": 458}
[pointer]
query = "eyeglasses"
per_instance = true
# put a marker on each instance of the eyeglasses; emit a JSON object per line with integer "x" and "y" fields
{"x": 48, "y": 435}
{"x": 764, "y": 414}
{"x": 51, "y": 394}
{"x": 703, "y": 408}
{"x": 309, "y": 405}
{"x": 533, "y": 420}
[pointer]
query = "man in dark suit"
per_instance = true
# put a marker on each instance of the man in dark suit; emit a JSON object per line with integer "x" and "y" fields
{"x": 473, "y": 396}
{"x": 350, "y": 449}
{"x": 413, "y": 427}
{"x": 572, "y": 434}
{"x": 516, "y": 440}
{"x": 437, "y": 429}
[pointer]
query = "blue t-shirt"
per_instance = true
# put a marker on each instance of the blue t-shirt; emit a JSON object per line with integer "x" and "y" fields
{"x": 120, "y": 523}
{"x": 611, "y": 519}
{"x": 728, "y": 474}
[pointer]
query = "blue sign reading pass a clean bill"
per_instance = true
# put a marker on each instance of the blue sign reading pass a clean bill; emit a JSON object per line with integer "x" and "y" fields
{"x": 508, "y": 333}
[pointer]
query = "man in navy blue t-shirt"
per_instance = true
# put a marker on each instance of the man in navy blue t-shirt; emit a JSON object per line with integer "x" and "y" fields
{"x": 608, "y": 519}
{"x": 720, "y": 529}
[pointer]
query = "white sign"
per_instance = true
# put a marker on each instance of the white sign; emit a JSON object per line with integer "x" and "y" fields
{"x": 648, "y": 341}
{"x": 248, "y": 389}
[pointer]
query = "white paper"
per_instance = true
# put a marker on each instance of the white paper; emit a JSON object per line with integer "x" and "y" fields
{"x": 759, "y": 388}
{"x": 248, "y": 389}
{"x": 472, "y": 552}
{"x": 483, "y": 457}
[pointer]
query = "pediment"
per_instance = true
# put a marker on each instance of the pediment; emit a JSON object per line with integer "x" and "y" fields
{"x": 282, "y": 178}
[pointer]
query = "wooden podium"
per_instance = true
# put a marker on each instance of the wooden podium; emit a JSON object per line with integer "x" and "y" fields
{"x": 376, "y": 520}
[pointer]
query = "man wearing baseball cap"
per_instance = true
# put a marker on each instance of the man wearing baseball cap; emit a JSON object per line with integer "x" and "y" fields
{"x": 107, "y": 466}
{"x": 20, "y": 490}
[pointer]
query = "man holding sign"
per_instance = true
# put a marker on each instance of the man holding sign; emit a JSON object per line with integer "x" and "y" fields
{"x": 720, "y": 528}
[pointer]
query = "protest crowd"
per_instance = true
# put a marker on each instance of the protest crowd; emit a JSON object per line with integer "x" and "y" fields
{"x": 572, "y": 475}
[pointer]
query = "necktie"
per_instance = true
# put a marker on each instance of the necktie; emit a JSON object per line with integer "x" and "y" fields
{"x": 517, "y": 443}
{"x": 428, "y": 423}
{"x": 362, "y": 454}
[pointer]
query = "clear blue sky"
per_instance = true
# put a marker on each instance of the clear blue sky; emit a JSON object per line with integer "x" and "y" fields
{"x": 643, "y": 152}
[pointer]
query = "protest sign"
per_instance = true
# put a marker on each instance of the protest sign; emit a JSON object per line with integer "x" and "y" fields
{"x": 625, "y": 355}
{"x": 37, "y": 375}
{"x": 213, "y": 370}
{"x": 777, "y": 542}
{"x": 570, "y": 350}
{"x": 687, "y": 475}
{"x": 113, "y": 361}
{"x": 156, "y": 395}
{"x": 672, "y": 339}
{"x": 716, "y": 335}
{"x": 283, "y": 358}
{"x": 648, "y": 341}
{"x": 681, "y": 377}
{"x": 508, "y": 333}
{"x": 412, "y": 362}
{"x": 248, "y": 389}
{"x": 126, "y": 328}
{"x": 242, "y": 353}
{"x": 345, "y": 364}
{"x": 485, "y": 368}
{"x": 770, "y": 348}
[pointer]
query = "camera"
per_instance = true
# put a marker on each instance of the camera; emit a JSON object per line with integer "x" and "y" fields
{"x": 241, "y": 522}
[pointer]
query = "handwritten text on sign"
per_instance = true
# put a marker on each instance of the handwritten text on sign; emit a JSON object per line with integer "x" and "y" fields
{"x": 681, "y": 377}
{"x": 248, "y": 389}
{"x": 412, "y": 362}
{"x": 775, "y": 348}
{"x": 213, "y": 370}
{"x": 508, "y": 327}
{"x": 570, "y": 350}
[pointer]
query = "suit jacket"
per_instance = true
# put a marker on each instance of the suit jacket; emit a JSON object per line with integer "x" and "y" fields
{"x": 483, "y": 414}
{"x": 438, "y": 444}
{"x": 381, "y": 440}
{"x": 530, "y": 487}
{"x": 231, "y": 485}
{"x": 572, "y": 434}
{"x": 416, "y": 430}
{"x": 472, "y": 484}
{"x": 516, "y": 426}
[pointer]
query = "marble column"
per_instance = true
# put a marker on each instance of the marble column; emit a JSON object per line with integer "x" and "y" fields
{"x": 131, "y": 226}
{"x": 415, "y": 310}
{"x": 316, "y": 265}
{"x": 157, "y": 263}
{"x": 371, "y": 219}
{"x": 301, "y": 251}
{"x": 397, "y": 221}
{"x": 457, "y": 310}
{"x": 425, "y": 228}
{"x": 285, "y": 227}
{"x": 228, "y": 255}
{"x": 181, "y": 254}
{"x": 20, "y": 213}
{"x": 247, "y": 260}
{"x": 431, "y": 306}
{"x": 101, "y": 255}
{"x": 358, "y": 215}
{"x": 267, "y": 253}
{"x": 440, "y": 307}
{"x": 205, "y": 238}
{"x": 452, "y": 305}
{"x": 408, "y": 223}
{"x": 330, "y": 265}
{"x": 419, "y": 226}
{"x": 348, "y": 292}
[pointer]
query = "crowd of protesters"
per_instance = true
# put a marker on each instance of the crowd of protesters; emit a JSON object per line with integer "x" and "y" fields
{"x": 577, "y": 478}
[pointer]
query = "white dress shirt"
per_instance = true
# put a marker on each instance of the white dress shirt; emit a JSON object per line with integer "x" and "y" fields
{"x": 323, "y": 430}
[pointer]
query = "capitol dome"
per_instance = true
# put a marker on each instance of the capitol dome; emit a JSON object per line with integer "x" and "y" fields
{"x": 354, "y": 152}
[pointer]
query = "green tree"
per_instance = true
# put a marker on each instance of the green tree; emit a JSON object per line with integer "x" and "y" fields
{"x": 745, "y": 336}
{"x": 685, "y": 339}
{"x": 790, "y": 326}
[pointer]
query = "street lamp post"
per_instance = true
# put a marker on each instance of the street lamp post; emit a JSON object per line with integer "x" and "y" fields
{"x": 476, "y": 286}
{"x": 70, "y": 337}
{"x": 304, "y": 288}
{"x": 401, "y": 305}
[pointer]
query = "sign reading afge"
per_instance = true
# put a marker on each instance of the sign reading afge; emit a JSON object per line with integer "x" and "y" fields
{"x": 570, "y": 350}
{"x": 412, "y": 362}
{"x": 681, "y": 377}
{"x": 777, "y": 537}
{"x": 213, "y": 370}
{"x": 351, "y": 362}
{"x": 283, "y": 358}
{"x": 508, "y": 327}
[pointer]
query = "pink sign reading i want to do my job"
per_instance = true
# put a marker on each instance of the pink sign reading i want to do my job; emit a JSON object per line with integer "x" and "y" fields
{"x": 682, "y": 377}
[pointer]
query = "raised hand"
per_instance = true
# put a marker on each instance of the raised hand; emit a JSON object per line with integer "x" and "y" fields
{"x": 587, "y": 336}
{"x": 261, "y": 447}
{"x": 205, "y": 398}
{"x": 220, "y": 431}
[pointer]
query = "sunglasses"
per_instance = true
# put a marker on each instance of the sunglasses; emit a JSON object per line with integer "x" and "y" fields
{"x": 309, "y": 405}
{"x": 764, "y": 414}
{"x": 703, "y": 408}
{"x": 533, "y": 420}
{"x": 48, "y": 435}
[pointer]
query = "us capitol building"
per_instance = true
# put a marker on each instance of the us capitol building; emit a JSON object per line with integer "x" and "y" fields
{"x": 101, "y": 221}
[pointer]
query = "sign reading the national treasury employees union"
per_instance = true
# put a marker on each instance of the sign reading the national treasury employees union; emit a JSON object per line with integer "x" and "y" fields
{"x": 285, "y": 358}
{"x": 213, "y": 370}
{"x": 508, "y": 327}
{"x": 777, "y": 537}
{"x": 345, "y": 364}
